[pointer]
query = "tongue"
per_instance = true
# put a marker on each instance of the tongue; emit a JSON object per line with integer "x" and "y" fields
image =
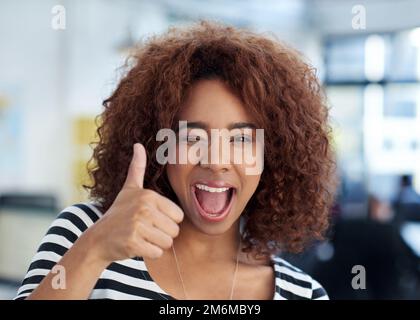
{"x": 212, "y": 202}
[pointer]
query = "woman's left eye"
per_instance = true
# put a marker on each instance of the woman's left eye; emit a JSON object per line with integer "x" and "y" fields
{"x": 241, "y": 138}
{"x": 192, "y": 138}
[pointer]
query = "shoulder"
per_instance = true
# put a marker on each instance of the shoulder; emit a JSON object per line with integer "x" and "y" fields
{"x": 292, "y": 283}
{"x": 68, "y": 226}
{"x": 81, "y": 215}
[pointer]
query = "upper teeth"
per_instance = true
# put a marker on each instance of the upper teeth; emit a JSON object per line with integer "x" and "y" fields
{"x": 210, "y": 189}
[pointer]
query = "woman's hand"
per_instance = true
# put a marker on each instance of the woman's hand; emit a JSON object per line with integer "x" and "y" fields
{"x": 140, "y": 222}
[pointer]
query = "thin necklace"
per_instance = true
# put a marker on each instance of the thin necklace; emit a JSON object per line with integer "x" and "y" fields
{"x": 233, "y": 279}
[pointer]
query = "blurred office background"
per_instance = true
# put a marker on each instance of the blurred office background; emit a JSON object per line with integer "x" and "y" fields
{"x": 52, "y": 83}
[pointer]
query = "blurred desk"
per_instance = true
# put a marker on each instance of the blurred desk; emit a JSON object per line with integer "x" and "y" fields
{"x": 22, "y": 227}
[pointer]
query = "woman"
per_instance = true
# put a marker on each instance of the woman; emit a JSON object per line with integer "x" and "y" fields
{"x": 198, "y": 229}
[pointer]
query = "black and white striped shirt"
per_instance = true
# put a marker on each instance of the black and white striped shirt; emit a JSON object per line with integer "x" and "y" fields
{"x": 129, "y": 279}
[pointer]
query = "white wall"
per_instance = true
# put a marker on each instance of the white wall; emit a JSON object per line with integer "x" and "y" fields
{"x": 58, "y": 74}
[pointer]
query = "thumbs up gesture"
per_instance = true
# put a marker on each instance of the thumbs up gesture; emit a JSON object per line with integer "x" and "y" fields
{"x": 140, "y": 222}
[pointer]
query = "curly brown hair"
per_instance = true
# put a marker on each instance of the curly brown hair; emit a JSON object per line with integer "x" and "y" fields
{"x": 291, "y": 205}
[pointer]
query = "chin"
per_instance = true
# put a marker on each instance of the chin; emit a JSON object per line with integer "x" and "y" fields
{"x": 211, "y": 229}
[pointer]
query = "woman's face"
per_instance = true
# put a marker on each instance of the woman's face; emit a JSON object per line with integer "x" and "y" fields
{"x": 214, "y": 193}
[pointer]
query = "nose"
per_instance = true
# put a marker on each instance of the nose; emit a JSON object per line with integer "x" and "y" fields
{"x": 218, "y": 158}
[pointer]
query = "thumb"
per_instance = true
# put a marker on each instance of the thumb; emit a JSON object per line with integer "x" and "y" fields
{"x": 135, "y": 174}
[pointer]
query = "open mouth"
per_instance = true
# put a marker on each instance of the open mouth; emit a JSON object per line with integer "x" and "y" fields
{"x": 213, "y": 203}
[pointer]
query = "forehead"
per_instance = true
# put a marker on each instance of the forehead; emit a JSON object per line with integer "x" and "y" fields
{"x": 212, "y": 102}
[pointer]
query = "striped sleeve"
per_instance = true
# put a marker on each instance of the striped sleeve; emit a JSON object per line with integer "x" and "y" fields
{"x": 294, "y": 284}
{"x": 62, "y": 233}
{"x": 318, "y": 292}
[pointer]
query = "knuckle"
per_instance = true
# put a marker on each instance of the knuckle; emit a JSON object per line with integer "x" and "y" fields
{"x": 138, "y": 224}
{"x": 145, "y": 212}
{"x": 176, "y": 230}
{"x": 179, "y": 216}
{"x": 155, "y": 254}
{"x": 167, "y": 242}
{"x": 147, "y": 194}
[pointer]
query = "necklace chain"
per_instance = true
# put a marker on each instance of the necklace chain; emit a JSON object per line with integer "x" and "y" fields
{"x": 233, "y": 278}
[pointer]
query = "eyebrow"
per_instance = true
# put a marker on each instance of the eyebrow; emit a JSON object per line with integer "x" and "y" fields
{"x": 204, "y": 126}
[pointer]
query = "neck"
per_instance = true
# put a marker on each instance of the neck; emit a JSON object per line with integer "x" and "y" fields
{"x": 204, "y": 247}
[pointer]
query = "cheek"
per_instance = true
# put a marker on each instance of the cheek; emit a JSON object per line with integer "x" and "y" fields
{"x": 177, "y": 175}
{"x": 173, "y": 175}
{"x": 249, "y": 183}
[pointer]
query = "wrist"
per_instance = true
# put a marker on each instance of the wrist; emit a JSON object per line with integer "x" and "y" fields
{"x": 91, "y": 247}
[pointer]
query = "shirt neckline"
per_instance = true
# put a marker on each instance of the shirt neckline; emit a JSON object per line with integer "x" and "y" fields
{"x": 167, "y": 296}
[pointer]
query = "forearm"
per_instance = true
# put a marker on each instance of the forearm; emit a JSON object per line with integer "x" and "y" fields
{"x": 81, "y": 267}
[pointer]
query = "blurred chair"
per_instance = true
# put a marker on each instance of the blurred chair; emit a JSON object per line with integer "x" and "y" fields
{"x": 407, "y": 212}
{"x": 392, "y": 269}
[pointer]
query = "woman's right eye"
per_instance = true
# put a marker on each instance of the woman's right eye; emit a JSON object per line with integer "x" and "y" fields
{"x": 193, "y": 138}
